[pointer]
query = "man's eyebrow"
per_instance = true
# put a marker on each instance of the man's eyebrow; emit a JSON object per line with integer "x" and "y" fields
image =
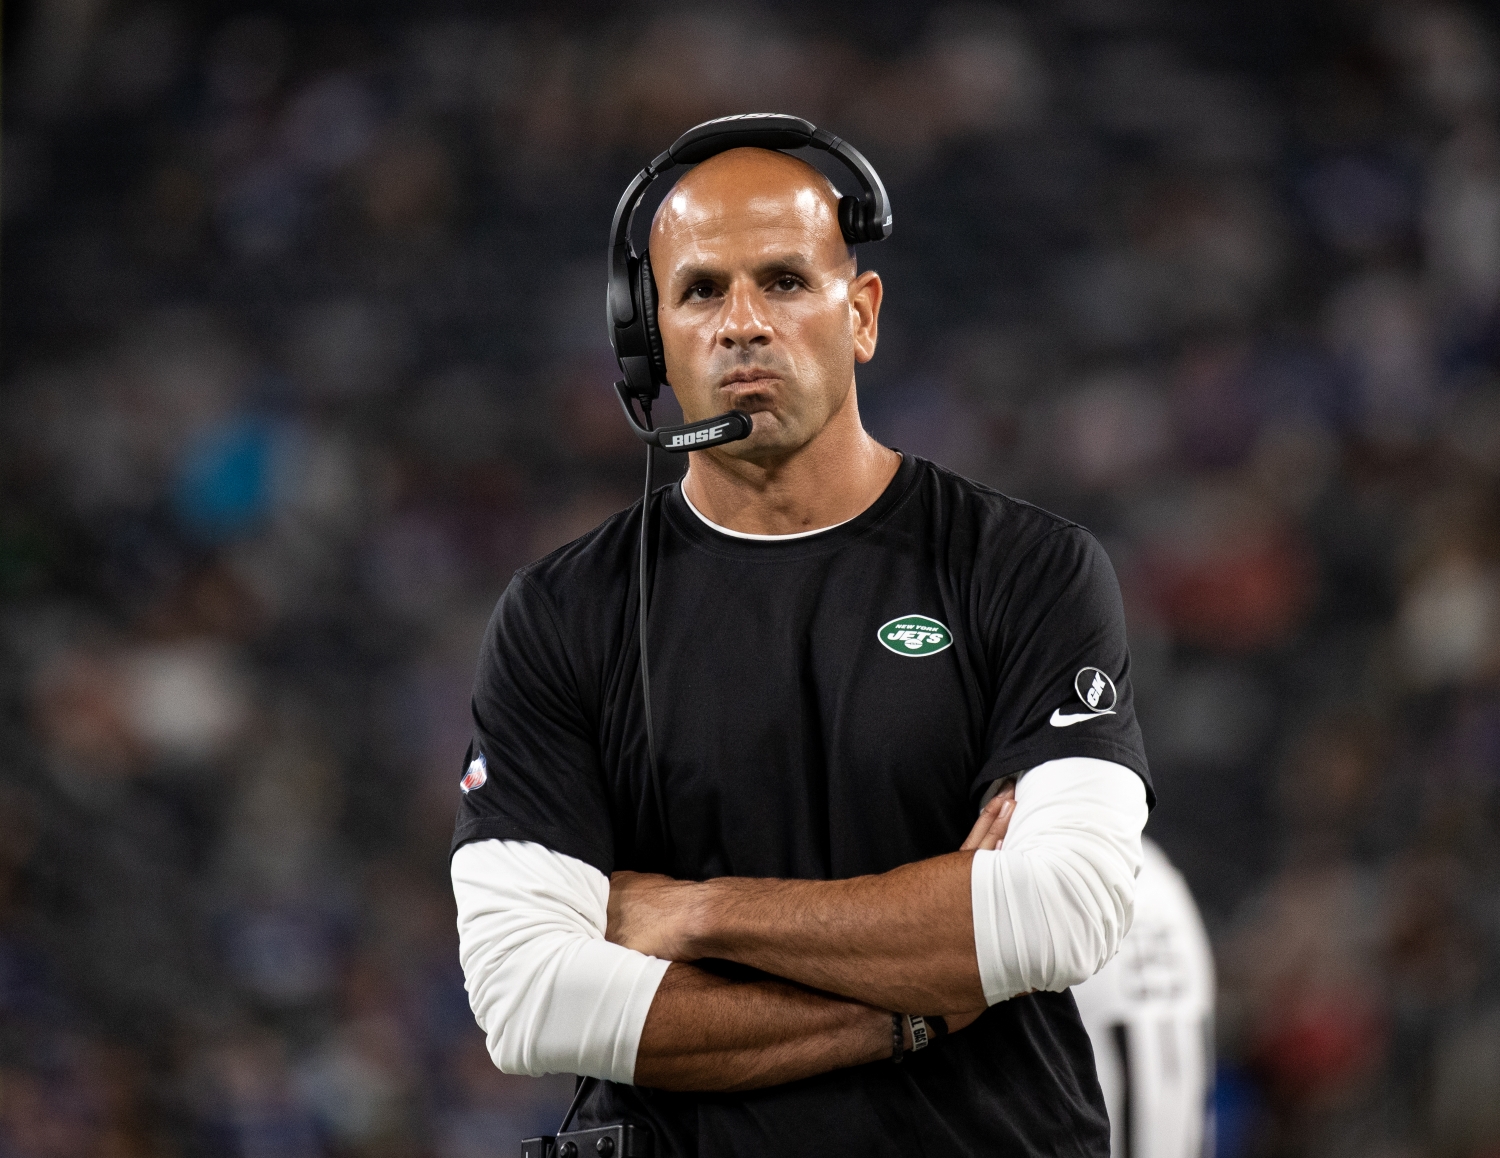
{"x": 693, "y": 274}
{"x": 786, "y": 263}
{"x": 798, "y": 263}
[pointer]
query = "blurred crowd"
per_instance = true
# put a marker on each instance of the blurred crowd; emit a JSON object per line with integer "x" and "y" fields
{"x": 300, "y": 300}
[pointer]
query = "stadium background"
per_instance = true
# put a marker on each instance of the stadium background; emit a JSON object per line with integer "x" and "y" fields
{"x": 303, "y": 352}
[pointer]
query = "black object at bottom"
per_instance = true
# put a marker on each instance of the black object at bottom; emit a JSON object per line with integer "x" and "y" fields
{"x": 625, "y": 1140}
{"x": 1121, "y": 1034}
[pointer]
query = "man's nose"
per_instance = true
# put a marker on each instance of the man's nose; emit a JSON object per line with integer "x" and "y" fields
{"x": 744, "y": 321}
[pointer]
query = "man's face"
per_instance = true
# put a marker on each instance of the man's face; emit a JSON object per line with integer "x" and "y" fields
{"x": 761, "y": 308}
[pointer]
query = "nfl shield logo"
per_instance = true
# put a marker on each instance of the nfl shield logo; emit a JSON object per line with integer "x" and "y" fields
{"x": 477, "y": 774}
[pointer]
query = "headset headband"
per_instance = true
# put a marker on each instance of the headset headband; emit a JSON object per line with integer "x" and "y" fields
{"x": 631, "y": 289}
{"x": 753, "y": 131}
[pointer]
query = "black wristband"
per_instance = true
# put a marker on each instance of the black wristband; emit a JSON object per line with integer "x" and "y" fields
{"x": 937, "y": 1025}
{"x": 896, "y": 1039}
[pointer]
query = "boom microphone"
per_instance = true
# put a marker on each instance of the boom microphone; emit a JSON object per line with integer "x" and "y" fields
{"x": 728, "y": 427}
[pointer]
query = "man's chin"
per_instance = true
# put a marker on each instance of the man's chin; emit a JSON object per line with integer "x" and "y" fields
{"x": 770, "y": 437}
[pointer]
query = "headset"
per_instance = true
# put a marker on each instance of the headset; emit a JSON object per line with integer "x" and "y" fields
{"x": 632, "y": 289}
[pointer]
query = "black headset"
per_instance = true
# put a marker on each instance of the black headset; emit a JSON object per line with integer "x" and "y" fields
{"x": 632, "y": 289}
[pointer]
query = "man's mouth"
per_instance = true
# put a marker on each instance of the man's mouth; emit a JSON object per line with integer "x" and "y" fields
{"x": 750, "y": 395}
{"x": 748, "y": 377}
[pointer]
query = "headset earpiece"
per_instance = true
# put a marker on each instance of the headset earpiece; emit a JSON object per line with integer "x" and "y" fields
{"x": 634, "y": 337}
{"x": 646, "y": 301}
{"x": 851, "y": 219}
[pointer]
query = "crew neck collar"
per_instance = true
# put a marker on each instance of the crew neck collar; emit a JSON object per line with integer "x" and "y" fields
{"x": 707, "y": 522}
{"x": 709, "y": 536}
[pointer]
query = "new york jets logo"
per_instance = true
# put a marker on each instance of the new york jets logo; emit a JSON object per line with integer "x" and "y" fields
{"x": 913, "y": 635}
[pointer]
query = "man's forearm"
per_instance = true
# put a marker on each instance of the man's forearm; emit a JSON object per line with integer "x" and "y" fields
{"x": 898, "y": 940}
{"x": 901, "y": 940}
{"x": 704, "y": 1032}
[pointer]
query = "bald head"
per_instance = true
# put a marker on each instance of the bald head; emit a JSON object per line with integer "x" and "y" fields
{"x": 745, "y": 188}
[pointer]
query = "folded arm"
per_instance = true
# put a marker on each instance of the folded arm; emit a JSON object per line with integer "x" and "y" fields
{"x": 943, "y": 935}
{"x": 708, "y": 1033}
{"x": 553, "y": 996}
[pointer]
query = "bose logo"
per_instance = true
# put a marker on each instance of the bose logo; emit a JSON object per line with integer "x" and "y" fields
{"x": 693, "y": 437}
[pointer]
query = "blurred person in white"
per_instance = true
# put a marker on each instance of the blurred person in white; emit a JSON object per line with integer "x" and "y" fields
{"x": 1149, "y": 1013}
{"x": 742, "y": 954}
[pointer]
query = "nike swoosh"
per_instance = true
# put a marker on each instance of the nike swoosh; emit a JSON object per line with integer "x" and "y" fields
{"x": 1059, "y": 720}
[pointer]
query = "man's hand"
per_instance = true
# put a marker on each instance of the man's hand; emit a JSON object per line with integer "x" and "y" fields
{"x": 994, "y": 819}
{"x": 988, "y": 833}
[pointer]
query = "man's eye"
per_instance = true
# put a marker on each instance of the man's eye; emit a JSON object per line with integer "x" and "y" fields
{"x": 700, "y": 293}
{"x": 787, "y": 283}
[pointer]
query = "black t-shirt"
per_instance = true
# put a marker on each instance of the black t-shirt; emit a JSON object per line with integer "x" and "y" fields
{"x": 824, "y": 707}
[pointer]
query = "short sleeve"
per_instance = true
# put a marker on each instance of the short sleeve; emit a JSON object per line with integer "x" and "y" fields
{"x": 533, "y": 770}
{"x": 1057, "y": 646}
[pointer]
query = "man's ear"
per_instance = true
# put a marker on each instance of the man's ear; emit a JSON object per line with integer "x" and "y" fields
{"x": 865, "y": 295}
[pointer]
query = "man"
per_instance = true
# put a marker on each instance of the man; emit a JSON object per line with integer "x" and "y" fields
{"x": 1149, "y": 1013}
{"x": 853, "y": 651}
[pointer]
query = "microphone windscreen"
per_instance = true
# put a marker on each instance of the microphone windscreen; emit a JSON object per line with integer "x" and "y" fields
{"x": 728, "y": 427}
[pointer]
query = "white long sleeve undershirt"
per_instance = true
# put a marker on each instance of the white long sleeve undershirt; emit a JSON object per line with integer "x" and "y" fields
{"x": 552, "y": 996}
{"x": 1053, "y": 904}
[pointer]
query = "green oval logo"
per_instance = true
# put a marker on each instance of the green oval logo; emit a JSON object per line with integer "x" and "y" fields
{"x": 915, "y": 635}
